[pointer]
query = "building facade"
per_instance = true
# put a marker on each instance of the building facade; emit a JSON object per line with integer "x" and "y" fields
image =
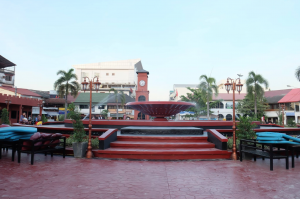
{"x": 119, "y": 75}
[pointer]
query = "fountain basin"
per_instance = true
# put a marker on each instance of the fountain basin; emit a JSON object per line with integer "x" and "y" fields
{"x": 160, "y": 109}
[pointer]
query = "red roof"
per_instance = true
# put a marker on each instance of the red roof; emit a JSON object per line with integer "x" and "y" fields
{"x": 229, "y": 96}
{"x": 292, "y": 96}
{"x": 277, "y": 93}
{"x": 21, "y": 91}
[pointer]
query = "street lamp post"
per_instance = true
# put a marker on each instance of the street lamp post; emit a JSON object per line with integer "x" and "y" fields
{"x": 7, "y": 101}
{"x": 234, "y": 86}
{"x": 85, "y": 84}
{"x": 283, "y": 107}
{"x": 40, "y": 104}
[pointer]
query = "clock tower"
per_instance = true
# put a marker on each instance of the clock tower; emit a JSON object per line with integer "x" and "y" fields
{"x": 142, "y": 93}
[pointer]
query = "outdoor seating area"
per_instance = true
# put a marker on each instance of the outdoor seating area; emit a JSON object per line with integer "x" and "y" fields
{"x": 28, "y": 140}
{"x": 271, "y": 145}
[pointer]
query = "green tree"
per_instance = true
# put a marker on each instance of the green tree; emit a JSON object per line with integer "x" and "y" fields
{"x": 245, "y": 128}
{"x": 104, "y": 113}
{"x": 196, "y": 97}
{"x": 4, "y": 116}
{"x": 246, "y": 107}
{"x": 119, "y": 96}
{"x": 208, "y": 87}
{"x": 255, "y": 90}
{"x": 65, "y": 85}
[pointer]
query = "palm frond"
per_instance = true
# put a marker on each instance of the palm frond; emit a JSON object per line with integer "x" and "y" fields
{"x": 297, "y": 73}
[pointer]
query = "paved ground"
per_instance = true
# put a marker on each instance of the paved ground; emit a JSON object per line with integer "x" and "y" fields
{"x": 99, "y": 178}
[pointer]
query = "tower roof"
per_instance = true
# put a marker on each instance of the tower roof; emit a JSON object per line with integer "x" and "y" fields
{"x": 142, "y": 71}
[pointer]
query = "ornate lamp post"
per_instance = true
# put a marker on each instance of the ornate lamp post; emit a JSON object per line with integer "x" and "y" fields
{"x": 7, "y": 102}
{"x": 85, "y": 84}
{"x": 283, "y": 107}
{"x": 234, "y": 86}
{"x": 40, "y": 104}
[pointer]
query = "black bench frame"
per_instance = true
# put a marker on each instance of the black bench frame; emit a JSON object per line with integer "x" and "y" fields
{"x": 250, "y": 146}
{"x": 5, "y": 144}
{"x": 33, "y": 149}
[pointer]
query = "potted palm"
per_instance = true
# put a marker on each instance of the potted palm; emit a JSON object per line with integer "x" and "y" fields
{"x": 79, "y": 137}
{"x": 245, "y": 131}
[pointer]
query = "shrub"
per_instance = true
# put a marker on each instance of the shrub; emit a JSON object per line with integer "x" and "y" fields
{"x": 61, "y": 117}
{"x": 4, "y": 116}
{"x": 291, "y": 123}
{"x": 79, "y": 133}
{"x": 44, "y": 119}
{"x": 230, "y": 143}
{"x": 245, "y": 128}
{"x": 95, "y": 142}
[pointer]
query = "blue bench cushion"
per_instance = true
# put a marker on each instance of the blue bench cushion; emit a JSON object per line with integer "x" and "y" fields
{"x": 277, "y": 142}
{"x": 270, "y": 138}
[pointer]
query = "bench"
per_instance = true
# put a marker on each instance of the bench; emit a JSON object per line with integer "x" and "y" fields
{"x": 38, "y": 146}
{"x": 249, "y": 146}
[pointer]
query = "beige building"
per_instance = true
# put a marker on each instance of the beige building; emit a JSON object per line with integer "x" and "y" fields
{"x": 120, "y": 75}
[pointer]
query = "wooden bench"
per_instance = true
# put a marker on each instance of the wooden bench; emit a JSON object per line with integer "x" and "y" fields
{"x": 43, "y": 148}
{"x": 249, "y": 146}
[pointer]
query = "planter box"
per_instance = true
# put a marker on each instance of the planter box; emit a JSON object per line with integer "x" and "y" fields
{"x": 79, "y": 149}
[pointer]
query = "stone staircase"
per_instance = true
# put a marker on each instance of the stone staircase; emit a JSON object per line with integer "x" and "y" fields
{"x": 162, "y": 148}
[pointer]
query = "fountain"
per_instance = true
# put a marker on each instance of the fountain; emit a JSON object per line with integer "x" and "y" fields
{"x": 160, "y": 109}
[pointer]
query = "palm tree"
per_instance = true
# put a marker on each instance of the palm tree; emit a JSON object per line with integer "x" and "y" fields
{"x": 255, "y": 90}
{"x": 65, "y": 85}
{"x": 122, "y": 98}
{"x": 208, "y": 87}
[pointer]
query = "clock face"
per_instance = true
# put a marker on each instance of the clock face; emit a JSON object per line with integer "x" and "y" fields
{"x": 142, "y": 83}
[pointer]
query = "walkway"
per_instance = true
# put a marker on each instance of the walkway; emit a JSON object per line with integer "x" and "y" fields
{"x": 101, "y": 178}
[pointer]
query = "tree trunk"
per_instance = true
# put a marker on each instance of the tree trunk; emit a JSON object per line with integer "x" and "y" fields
{"x": 117, "y": 110}
{"x": 255, "y": 105}
{"x": 208, "y": 108}
{"x": 66, "y": 102}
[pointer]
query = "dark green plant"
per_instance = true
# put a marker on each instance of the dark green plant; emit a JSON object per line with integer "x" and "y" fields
{"x": 291, "y": 123}
{"x": 79, "y": 133}
{"x": 70, "y": 140}
{"x": 247, "y": 107}
{"x": 245, "y": 128}
{"x": 230, "y": 143}
{"x": 104, "y": 113}
{"x": 4, "y": 116}
{"x": 44, "y": 119}
{"x": 71, "y": 108}
{"x": 61, "y": 117}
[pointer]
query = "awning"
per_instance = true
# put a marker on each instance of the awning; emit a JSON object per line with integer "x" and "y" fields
{"x": 36, "y": 111}
{"x": 52, "y": 113}
{"x": 54, "y": 108}
{"x": 290, "y": 114}
{"x": 62, "y": 112}
{"x": 115, "y": 115}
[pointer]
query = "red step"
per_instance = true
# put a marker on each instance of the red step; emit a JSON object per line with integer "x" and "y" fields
{"x": 163, "y": 138}
{"x": 163, "y": 153}
{"x": 153, "y": 144}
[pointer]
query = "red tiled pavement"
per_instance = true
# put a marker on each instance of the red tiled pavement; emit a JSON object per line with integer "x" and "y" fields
{"x": 100, "y": 178}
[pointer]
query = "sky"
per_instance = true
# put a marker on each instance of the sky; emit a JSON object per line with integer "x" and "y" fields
{"x": 177, "y": 41}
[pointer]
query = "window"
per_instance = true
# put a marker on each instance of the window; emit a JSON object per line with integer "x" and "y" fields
{"x": 13, "y": 114}
{"x": 83, "y": 106}
{"x": 113, "y": 74}
{"x": 228, "y": 117}
{"x": 101, "y": 107}
{"x": 141, "y": 116}
{"x": 221, "y": 117}
{"x": 297, "y": 108}
{"x": 8, "y": 78}
{"x": 106, "y": 74}
{"x": 142, "y": 98}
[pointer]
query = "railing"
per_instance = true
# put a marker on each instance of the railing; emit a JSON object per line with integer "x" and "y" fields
{"x": 11, "y": 71}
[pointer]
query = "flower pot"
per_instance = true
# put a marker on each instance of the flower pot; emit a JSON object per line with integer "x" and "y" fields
{"x": 79, "y": 149}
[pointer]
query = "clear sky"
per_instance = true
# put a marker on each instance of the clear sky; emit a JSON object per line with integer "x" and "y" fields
{"x": 177, "y": 41}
